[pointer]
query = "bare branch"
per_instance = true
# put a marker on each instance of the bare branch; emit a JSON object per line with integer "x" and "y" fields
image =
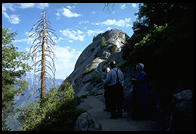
{"x": 42, "y": 34}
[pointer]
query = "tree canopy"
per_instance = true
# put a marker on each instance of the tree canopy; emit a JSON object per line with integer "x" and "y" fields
{"x": 13, "y": 67}
{"x": 163, "y": 41}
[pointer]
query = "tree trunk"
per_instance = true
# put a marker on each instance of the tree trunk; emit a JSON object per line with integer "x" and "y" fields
{"x": 43, "y": 74}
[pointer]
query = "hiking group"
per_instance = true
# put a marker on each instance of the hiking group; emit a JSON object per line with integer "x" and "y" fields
{"x": 114, "y": 96}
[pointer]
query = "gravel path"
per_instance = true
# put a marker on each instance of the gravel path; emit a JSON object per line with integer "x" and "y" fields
{"x": 95, "y": 106}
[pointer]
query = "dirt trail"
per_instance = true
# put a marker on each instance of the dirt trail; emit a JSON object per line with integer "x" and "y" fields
{"x": 95, "y": 106}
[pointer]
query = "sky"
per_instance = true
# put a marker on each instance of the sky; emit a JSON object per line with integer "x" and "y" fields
{"x": 75, "y": 25}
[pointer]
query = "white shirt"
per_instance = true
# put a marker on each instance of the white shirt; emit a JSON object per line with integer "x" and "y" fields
{"x": 111, "y": 77}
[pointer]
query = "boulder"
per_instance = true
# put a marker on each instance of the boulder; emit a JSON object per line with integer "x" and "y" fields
{"x": 181, "y": 118}
{"x": 86, "y": 122}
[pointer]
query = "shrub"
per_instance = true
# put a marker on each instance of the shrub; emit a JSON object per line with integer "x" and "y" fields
{"x": 122, "y": 65}
{"x": 103, "y": 42}
{"x": 57, "y": 111}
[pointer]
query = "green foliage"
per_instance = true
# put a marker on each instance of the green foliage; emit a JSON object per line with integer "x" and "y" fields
{"x": 56, "y": 111}
{"x": 163, "y": 41}
{"x": 103, "y": 42}
{"x": 96, "y": 79}
{"x": 88, "y": 70}
{"x": 13, "y": 67}
{"x": 122, "y": 65}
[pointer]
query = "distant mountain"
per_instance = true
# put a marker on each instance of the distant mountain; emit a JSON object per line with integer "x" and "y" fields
{"x": 32, "y": 93}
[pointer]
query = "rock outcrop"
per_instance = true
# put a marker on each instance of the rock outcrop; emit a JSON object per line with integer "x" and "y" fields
{"x": 86, "y": 122}
{"x": 90, "y": 64}
{"x": 181, "y": 118}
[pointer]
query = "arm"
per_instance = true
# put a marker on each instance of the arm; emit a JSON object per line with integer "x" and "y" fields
{"x": 140, "y": 79}
{"x": 107, "y": 79}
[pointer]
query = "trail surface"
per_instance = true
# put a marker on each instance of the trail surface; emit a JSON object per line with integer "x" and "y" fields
{"x": 95, "y": 106}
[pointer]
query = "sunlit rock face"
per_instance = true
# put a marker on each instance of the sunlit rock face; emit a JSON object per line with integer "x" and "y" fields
{"x": 95, "y": 58}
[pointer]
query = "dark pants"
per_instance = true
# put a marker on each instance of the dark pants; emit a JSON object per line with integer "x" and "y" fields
{"x": 107, "y": 95}
{"x": 116, "y": 99}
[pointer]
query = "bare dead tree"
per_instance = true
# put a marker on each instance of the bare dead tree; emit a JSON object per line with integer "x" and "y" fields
{"x": 42, "y": 51}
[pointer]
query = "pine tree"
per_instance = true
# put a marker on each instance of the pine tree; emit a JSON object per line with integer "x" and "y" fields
{"x": 14, "y": 66}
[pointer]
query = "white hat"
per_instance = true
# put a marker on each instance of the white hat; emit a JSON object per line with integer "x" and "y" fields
{"x": 141, "y": 65}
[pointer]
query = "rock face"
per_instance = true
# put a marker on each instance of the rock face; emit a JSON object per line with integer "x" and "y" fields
{"x": 90, "y": 64}
{"x": 182, "y": 111}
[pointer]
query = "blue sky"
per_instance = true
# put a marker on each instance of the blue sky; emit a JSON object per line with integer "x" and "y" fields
{"x": 75, "y": 25}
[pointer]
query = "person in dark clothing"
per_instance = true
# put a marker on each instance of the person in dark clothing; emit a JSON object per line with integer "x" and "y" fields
{"x": 141, "y": 102}
{"x": 114, "y": 80}
{"x": 106, "y": 92}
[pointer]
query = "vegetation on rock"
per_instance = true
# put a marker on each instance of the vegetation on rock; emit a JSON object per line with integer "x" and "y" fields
{"x": 103, "y": 42}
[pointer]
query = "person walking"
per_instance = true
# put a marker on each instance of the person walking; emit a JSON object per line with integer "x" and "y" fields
{"x": 114, "y": 80}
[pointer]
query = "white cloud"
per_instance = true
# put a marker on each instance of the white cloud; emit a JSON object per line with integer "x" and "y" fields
{"x": 134, "y": 5}
{"x": 70, "y": 41}
{"x": 93, "y": 32}
{"x": 93, "y": 12}
{"x": 3, "y": 8}
{"x": 31, "y": 5}
{"x": 20, "y": 40}
{"x": 120, "y": 23}
{"x": 65, "y": 60}
{"x": 13, "y": 19}
{"x": 70, "y": 7}
{"x": 58, "y": 14}
{"x": 83, "y": 22}
{"x": 123, "y": 6}
{"x": 27, "y": 5}
{"x": 108, "y": 28}
{"x": 9, "y": 6}
{"x": 73, "y": 34}
{"x": 68, "y": 13}
{"x": 42, "y": 5}
{"x": 29, "y": 41}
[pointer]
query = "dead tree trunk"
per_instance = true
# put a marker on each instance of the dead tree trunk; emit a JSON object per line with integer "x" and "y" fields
{"x": 43, "y": 51}
{"x": 43, "y": 84}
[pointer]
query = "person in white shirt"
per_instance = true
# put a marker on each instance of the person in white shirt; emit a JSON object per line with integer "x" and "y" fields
{"x": 115, "y": 81}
